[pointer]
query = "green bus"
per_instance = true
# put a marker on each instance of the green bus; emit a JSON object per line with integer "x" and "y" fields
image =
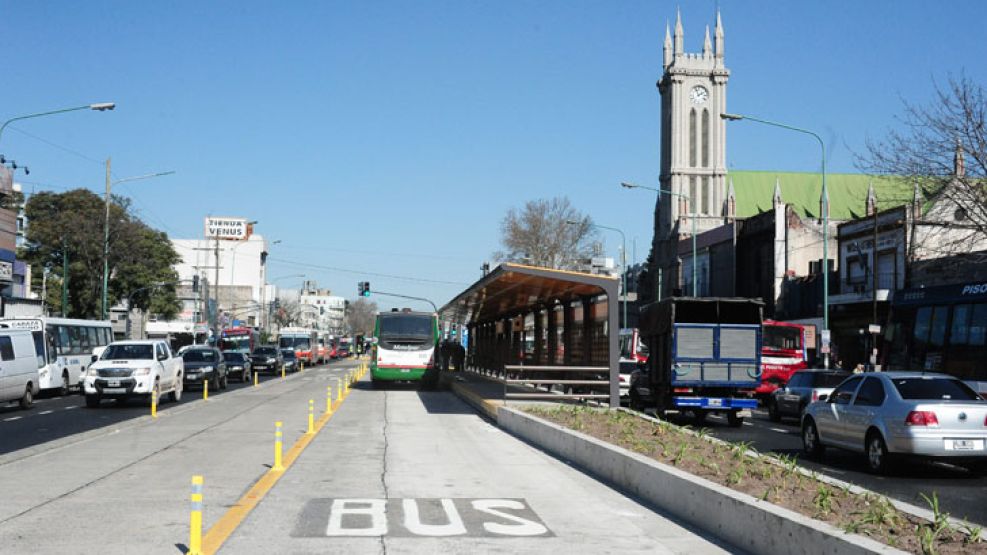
{"x": 404, "y": 347}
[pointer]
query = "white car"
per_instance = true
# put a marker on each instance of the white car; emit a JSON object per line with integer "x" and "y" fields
{"x": 128, "y": 369}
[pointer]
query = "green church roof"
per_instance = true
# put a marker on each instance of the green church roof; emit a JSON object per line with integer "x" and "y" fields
{"x": 754, "y": 191}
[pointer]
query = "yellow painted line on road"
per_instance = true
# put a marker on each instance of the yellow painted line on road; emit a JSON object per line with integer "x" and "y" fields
{"x": 228, "y": 523}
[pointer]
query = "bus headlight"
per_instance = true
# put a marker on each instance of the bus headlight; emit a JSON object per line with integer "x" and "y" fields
{"x": 92, "y": 373}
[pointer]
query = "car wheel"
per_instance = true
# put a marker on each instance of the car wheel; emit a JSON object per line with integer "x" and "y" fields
{"x": 92, "y": 401}
{"x": 176, "y": 394}
{"x": 64, "y": 390}
{"x": 224, "y": 382}
{"x": 28, "y": 399}
{"x": 878, "y": 458}
{"x": 773, "y": 413}
{"x": 734, "y": 420}
{"x": 635, "y": 400}
{"x": 810, "y": 440}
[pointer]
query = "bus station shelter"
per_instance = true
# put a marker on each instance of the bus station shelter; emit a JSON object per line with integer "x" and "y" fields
{"x": 542, "y": 327}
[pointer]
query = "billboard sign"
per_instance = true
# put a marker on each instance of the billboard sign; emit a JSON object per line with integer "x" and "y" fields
{"x": 229, "y": 229}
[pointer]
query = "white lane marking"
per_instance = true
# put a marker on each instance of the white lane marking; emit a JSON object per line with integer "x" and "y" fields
{"x": 46, "y": 412}
{"x": 12, "y": 418}
{"x": 779, "y": 430}
{"x": 747, "y": 424}
{"x": 72, "y": 407}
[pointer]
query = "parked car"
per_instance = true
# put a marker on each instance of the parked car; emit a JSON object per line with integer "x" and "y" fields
{"x": 127, "y": 369}
{"x": 238, "y": 365}
{"x": 19, "y": 364}
{"x": 887, "y": 414}
{"x": 804, "y": 387}
{"x": 290, "y": 360}
{"x": 267, "y": 357}
{"x": 205, "y": 364}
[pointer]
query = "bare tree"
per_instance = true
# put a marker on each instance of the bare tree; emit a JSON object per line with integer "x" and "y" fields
{"x": 942, "y": 147}
{"x": 360, "y": 316}
{"x": 287, "y": 312}
{"x": 538, "y": 234}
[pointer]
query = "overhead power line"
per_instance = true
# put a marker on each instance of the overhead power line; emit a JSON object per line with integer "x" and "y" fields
{"x": 363, "y": 272}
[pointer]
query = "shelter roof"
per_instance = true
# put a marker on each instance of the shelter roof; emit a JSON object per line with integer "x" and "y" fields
{"x": 510, "y": 289}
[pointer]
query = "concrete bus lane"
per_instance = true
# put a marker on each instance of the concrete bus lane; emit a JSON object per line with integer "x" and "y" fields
{"x": 128, "y": 491}
{"x": 960, "y": 493}
{"x": 403, "y": 471}
{"x": 54, "y": 417}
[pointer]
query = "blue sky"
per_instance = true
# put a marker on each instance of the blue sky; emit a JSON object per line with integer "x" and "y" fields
{"x": 391, "y": 137}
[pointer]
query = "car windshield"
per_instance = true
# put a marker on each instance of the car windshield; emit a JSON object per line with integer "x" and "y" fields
{"x": 827, "y": 379}
{"x": 233, "y": 357}
{"x": 288, "y": 353}
{"x": 266, "y": 351}
{"x": 939, "y": 389}
{"x": 199, "y": 355}
{"x": 128, "y": 352}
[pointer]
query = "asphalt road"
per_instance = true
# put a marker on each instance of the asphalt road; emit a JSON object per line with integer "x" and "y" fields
{"x": 960, "y": 493}
{"x": 54, "y": 417}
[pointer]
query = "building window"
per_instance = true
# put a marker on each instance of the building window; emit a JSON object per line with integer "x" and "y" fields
{"x": 692, "y": 194}
{"x": 692, "y": 137}
{"x": 705, "y": 193}
{"x": 705, "y": 140}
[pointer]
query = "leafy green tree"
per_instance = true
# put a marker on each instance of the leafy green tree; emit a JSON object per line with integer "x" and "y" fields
{"x": 70, "y": 225}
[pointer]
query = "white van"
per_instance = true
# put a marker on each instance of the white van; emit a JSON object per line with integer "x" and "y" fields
{"x": 19, "y": 364}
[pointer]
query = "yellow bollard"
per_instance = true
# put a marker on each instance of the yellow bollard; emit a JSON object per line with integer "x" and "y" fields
{"x": 195, "y": 518}
{"x": 205, "y": 390}
{"x": 282, "y": 371}
{"x": 255, "y": 378}
{"x": 301, "y": 366}
{"x": 311, "y": 416}
{"x": 154, "y": 404}
{"x": 328, "y": 399}
{"x": 277, "y": 447}
{"x": 339, "y": 390}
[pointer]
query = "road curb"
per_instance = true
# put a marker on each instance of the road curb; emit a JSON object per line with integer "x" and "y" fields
{"x": 486, "y": 407}
{"x": 736, "y": 518}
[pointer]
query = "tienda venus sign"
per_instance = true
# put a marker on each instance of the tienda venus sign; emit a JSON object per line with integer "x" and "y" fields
{"x": 231, "y": 229}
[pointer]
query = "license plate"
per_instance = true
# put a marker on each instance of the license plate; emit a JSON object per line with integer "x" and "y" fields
{"x": 113, "y": 383}
{"x": 964, "y": 444}
{"x": 260, "y": 367}
{"x": 114, "y": 390}
{"x": 192, "y": 377}
{"x": 716, "y": 402}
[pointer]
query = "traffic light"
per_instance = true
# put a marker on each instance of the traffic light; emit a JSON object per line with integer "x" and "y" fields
{"x": 363, "y": 288}
{"x": 195, "y": 284}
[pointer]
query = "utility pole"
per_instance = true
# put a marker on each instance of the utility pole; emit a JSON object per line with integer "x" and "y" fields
{"x": 106, "y": 243}
{"x": 65, "y": 279}
{"x": 872, "y": 359}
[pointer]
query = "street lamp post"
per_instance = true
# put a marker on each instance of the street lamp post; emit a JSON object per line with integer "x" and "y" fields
{"x": 825, "y": 208}
{"x": 99, "y": 107}
{"x": 106, "y": 228}
{"x": 623, "y": 261}
{"x": 692, "y": 216}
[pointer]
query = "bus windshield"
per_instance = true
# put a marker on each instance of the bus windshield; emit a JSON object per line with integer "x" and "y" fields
{"x": 294, "y": 342}
{"x": 782, "y": 337}
{"x": 406, "y": 325}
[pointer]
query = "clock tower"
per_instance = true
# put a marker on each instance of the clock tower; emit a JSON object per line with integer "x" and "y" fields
{"x": 693, "y": 90}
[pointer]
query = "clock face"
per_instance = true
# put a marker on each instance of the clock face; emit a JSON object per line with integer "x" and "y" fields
{"x": 698, "y": 95}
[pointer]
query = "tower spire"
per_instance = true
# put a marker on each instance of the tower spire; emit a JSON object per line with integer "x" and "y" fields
{"x": 959, "y": 164}
{"x": 777, "y": 196}
{"x": 679, "y": 34}
{"x": 871, "y": 200}
{"x": 707, "y": 45}
{"x": 667, "y": 48}
{"x": 718, "y": 35}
